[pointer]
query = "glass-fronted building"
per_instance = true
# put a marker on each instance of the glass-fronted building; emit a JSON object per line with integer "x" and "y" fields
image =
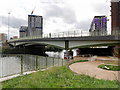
{"x": 35, "y": 25}
{"x": 98, "y": 26}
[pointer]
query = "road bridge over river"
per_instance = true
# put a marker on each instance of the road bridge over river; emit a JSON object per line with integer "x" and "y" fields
{"x": 67, "y": 42}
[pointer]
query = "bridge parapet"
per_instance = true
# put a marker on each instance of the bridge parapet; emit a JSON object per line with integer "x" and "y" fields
{"x": 68, "y": 40}
{"x": 77, "y": 33}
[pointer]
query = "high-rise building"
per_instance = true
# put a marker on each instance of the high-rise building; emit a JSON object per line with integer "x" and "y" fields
{"x": 23, "y": 31}
{"x": 115, "y": 16}
{"x": 98, "y": 26}
{"x": 3, "y": 36}
{"x": 35, "y": 25}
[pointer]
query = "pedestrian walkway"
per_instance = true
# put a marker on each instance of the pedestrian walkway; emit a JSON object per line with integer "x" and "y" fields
{"x": 91, "y": 68}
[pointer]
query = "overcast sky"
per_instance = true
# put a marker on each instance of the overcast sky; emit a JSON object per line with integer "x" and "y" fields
{"x": 58, "y": 15}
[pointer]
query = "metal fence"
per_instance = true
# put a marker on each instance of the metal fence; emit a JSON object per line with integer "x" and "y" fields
{"x": 76, "y": 33}
{"x": 18, "y": 64}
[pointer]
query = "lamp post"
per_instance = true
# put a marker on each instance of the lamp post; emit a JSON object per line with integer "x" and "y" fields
{"x": 8, "y": 24}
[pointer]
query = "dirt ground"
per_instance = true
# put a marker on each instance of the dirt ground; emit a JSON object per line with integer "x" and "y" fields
{"x": 91, "y": 68}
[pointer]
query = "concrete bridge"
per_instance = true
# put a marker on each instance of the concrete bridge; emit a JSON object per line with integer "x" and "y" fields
{"x": 68, "y": 43}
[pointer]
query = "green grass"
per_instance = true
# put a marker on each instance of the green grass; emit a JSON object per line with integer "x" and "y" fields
{"x": 58, "y": 77}
{"x": 78, "y": 61}
{"x": 112, "y": 68}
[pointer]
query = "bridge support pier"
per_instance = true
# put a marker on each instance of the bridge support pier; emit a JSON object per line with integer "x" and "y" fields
{"x": 117, "y": 51}
{"x": 14, "y": 45}
{"x": 68, "y": 54}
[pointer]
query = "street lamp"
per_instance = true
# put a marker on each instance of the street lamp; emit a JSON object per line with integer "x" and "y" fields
{"x": 8, "y": 24}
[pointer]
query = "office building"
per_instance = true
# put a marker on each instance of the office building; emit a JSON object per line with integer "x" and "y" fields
{"x": 98, "y": 26}
{"x": 35, "y": 25}
{"x": 115, "y": 17}
{"x": 23, "y": 31}
{"x": 3, "y": 36}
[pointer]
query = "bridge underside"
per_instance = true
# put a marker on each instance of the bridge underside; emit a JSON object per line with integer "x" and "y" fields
{"x": 68, "y": 44}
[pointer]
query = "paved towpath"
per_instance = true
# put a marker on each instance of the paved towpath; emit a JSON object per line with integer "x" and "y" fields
{"x": 91, "y": 68}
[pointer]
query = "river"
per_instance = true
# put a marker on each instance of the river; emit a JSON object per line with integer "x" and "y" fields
{"x": 60, "y": 54}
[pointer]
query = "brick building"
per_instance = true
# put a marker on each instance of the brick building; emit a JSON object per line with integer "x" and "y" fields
{"x": 3, "y": 36}
{"x": 115, "y": 16}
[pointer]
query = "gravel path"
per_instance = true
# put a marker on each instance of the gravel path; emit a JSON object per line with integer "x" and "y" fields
{"x": 91, "y": 68}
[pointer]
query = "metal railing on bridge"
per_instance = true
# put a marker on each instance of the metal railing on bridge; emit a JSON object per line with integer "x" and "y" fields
{"x": 77, "y": 33}
{"x": 18, "y": 64}
{"x": 57, "y": 35}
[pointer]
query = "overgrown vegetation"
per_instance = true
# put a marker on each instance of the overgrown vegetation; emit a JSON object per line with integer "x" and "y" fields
{"x": 58, "y": 77}
{"x": 110, "y": 67}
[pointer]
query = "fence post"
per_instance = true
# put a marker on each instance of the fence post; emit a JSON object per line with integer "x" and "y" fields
{"x": 62, "y": 62}
{"x": 46, "y": 62}
{"x": 36, "y": 63}
{"x": 53, "y": 61}
{"x": 2, "y": 67}
{"x": 58, "y": 61}
{"x": 21, "y": 64}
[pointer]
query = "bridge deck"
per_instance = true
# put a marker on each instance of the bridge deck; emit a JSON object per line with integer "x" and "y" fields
{"x": 84, "y": 38}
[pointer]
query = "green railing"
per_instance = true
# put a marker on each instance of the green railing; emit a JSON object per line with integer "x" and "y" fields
{"x": 18, "y": 64}
{"x": 76, "y": 33}
{"x": 58, "y": 35}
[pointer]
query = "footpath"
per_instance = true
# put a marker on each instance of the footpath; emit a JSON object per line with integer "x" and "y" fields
{"x": 91, "y": 68}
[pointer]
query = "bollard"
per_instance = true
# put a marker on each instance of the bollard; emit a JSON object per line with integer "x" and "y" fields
{"x": 21, "y": 64}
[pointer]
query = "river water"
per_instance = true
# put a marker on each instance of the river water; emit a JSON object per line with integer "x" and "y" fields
{"x": 60, "y": 54}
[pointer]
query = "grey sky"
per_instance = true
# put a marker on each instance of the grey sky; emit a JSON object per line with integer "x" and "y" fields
{"x": 58, "y": 15}
{"x": 67, "y": 14}
{"x": 13, "y": 22}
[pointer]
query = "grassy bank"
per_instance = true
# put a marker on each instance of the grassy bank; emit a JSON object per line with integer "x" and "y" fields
{"x": 58, "y": 77}
{"x": 78, "y": 61}
{"x": 110, "y": 67}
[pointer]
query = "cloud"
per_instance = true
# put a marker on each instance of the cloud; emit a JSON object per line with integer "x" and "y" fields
{"x": 83, "y": 25}
{"x": 12, "y": 31}
{"x": 13, "y": 22}
{"x": 102, "y": 8}
{"x": 59, "y": 15}
{"x": 65, "y": 13}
